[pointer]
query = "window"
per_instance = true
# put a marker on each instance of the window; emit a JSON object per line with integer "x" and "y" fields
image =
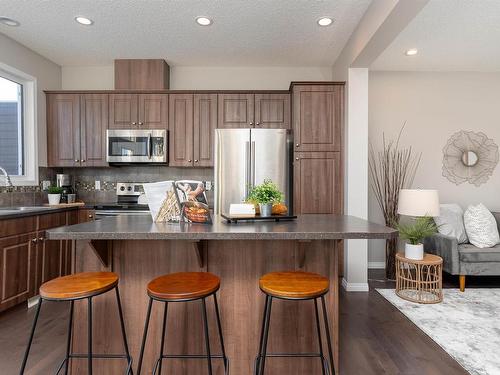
{"x": 18, "y": 139}
{"x": 11, "y": 127}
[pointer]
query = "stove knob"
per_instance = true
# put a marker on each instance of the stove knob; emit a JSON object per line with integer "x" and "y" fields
{"x": 129, "y": 188}
{"x": 122, "y": 188}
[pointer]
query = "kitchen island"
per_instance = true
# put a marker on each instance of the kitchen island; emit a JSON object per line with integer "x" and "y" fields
{"x": 138, "y": 250}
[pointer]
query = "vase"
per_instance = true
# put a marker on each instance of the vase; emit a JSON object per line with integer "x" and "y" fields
{"x": 266, "y": 209}
{"x": 415, "y": 252}
{"x": 54, "y": 199}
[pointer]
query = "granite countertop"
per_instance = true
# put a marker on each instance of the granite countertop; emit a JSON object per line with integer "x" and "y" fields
{"x": 23, "y": 211}
{"x": 306, "y": 227}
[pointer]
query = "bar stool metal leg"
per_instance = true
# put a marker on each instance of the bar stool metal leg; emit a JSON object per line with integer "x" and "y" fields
{"x": 89, "y": 355}
{"x": 124, "y": 335}
{"x": 207, "y": 338}
{"x": 266, "y": 335}
{"x": 25, "y": 359}
{"x": 329, "y": 341}
{"x": 70, "y": 331}
{"x": 217, "y": 314}
{"x": 320, "y": 341}
{"x": 163, "y": 333}
{"x": 144, "y": 336}
{"x": 259, "y": 355}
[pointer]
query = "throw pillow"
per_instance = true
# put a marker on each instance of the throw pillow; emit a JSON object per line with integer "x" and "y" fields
{"x": 481, "y": 226}
{"x": 450, "y": 222}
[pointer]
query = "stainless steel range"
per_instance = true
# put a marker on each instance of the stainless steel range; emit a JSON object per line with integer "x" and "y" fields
{"x": 130, "y": 201}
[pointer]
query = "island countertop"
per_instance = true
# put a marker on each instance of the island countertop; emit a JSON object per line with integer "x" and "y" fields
{"x": 305, "y": 227}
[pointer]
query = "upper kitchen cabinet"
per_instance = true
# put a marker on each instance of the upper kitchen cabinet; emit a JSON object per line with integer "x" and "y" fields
{"x": 317, "y": 116}
{"x": 270, "y": 111}
{"x": 192, "y": 121}
{"x": 93, "y": 125}
{"x": 63, "y": 130}
{"x": 236, "y": 111}
{"x": 138, "y": 111}
{"x": 76, "y": 129}
{"x": 181, "y": 130}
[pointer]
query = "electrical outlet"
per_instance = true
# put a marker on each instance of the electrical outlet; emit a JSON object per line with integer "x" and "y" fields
{"x": 208, "y": 185}
{"x": 45, "y": 184}
{"x": 97, "y": 185}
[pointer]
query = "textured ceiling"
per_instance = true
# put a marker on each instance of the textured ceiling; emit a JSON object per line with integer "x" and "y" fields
{"x": 244, "y": 32}
{"x": 450, "y": 35}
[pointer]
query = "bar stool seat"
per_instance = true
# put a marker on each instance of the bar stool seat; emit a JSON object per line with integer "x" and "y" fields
{"x": 294, "y": 285}
{"x": 72, "y": 288}
{"x": 183, "y": 286}
{"x": 80, "y": 285}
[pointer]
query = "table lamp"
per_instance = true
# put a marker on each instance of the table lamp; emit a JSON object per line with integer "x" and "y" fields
{"x": 417, "y": 203}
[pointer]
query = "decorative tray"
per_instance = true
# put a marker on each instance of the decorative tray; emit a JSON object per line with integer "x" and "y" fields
{"x": 235, "y": 219}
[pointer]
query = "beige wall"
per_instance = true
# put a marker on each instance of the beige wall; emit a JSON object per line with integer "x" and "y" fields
{"x": 435, "y": 105}
{"x": 200, "y": 78}
{"x": 47, "y": 74}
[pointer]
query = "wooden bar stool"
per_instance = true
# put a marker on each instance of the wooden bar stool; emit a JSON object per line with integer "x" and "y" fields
{"x": 184, "y": 287}
{"x": 75, "y": 287}
{"x": 296, "y": 286}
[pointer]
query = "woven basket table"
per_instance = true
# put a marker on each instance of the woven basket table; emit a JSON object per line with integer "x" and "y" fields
{"x": 419, "y": 281}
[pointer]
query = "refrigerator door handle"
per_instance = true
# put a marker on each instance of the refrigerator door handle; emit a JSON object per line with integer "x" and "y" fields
{"x": 252, "y": 164}
{"x": 247, "y": 168}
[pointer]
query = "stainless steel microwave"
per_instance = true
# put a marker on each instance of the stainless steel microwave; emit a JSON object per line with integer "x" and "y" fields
{"x": 136, "y": 146}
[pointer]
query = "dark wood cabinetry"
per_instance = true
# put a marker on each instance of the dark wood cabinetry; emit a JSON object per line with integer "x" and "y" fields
{"x": 63, "y": 130}
{"x": 192, "y": 121}
{"x": 317, "y": 116}
{"x": 317, "y": 183}
{"x": 28, "y": 258}
{"x": 270, "y": 110}
{"x": 93, "y": 125}
{"x": 138, "y": 111}
{"x": 76, "y": 129}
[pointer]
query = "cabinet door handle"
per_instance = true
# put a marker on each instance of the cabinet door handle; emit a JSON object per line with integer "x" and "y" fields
{"x": 297, "y": 158}
{"x": 134, "y": 123}
{"x": 34, "y": 240}
{"x": 196, "y": 160}
{"x": 297, "y": 145}
{"x": 251, "y": 123}
{"x": 140, "y": 123}
{"x": 258, "y": 124}
{"x": 41, "y": 239}
{"x": 83, "y": 160}
{"x": 189, "y": 161}
{"x": 77, "y": 160}
{"x": 91, "y": 216}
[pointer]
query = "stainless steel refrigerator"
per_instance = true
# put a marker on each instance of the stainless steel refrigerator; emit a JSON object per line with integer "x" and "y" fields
{"x": 245, "y": 158}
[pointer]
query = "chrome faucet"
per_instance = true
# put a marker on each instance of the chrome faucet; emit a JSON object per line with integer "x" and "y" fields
{"x": 7, "y": 178}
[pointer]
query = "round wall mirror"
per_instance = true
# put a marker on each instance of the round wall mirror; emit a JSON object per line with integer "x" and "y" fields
{"x": 469, "y": 158}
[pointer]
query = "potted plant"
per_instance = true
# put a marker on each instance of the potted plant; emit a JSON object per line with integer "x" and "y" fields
{"x": 265, "y": 195}
{"x": 54, "y": 194}
{"x": 414, "y": 233}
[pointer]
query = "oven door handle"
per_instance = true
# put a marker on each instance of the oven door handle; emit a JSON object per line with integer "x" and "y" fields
{"x": 149, "y": 146}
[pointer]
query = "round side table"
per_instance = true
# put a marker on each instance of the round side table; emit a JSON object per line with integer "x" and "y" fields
{"x": 419, "y": 281}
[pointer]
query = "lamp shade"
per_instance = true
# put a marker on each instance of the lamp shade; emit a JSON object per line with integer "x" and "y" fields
{"x": 416, "y": 202}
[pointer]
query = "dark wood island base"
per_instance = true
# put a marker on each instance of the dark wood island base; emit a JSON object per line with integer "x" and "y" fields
{"x": 139, "y": 250}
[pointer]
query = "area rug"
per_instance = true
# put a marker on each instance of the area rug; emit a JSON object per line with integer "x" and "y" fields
{"x": 466, "y": 325}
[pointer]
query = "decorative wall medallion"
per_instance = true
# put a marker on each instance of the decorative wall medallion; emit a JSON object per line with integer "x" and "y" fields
{"x": 469, "y": 156}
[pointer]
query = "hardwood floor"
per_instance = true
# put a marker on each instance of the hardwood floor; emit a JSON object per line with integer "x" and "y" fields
{"x": 375, "y": 337}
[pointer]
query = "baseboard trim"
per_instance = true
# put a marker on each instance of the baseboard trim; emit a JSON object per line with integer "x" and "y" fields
{"x": 376, "y": 265}
{"x": 354, "y": 287}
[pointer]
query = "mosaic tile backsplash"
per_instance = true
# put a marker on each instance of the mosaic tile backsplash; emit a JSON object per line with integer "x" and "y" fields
{"x": 84, "y": 182}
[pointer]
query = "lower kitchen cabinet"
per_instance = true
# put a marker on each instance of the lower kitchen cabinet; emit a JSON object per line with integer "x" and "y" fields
{"x": 17, "y": 269}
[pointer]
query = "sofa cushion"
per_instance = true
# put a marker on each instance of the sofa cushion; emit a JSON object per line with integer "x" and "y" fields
{"x": 481, "y": 226}
{"x": 471, "y": 254}
{"x": 450, "y": 222}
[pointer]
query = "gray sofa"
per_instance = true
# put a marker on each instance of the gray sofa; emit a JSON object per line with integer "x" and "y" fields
{"x": 465, "y": 259}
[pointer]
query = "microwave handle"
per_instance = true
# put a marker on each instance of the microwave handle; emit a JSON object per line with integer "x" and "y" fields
{"x": 149, "y": 146}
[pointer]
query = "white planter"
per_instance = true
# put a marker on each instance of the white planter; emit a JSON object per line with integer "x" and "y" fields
{"x": 415, "y": 252}
{"x": 54, "y": 199}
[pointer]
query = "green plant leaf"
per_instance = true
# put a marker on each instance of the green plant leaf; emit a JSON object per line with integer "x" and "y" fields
{"x": 264, "y": 193}
{"x": 421, "y": 228}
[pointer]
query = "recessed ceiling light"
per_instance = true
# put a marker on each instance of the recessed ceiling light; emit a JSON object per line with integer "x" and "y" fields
{"x": 203, "y": 21}
{"x": 84, "y": 20}
{"x": 411, "y": 52}
{"x": 325, "y": 21}
{"x": 9, "y": 21}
